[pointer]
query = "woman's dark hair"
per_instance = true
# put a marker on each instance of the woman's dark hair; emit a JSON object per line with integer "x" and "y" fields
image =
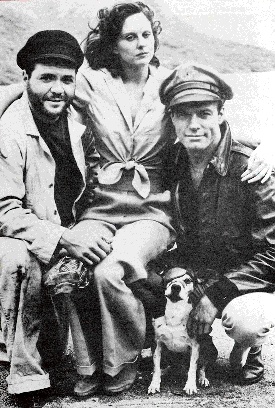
{"x": 102, "y": 39}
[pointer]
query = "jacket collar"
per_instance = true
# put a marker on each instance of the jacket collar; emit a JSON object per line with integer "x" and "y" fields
{"x": 151, "y": 92}
{"x": 220, "y": 160}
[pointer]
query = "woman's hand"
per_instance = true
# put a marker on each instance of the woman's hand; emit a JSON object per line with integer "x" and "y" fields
{"x": 8, "y": 94}
{"x": 89, "y": 249}
{"x": 260, "y": 164}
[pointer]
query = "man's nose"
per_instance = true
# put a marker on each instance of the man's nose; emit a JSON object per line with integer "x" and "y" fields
{"x": 57, "y": 87}
{"x": 194, "y": 122}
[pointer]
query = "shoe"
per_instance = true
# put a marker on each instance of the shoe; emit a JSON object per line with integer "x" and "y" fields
{"x": 88, "y": 385}
{"x": 122, "y": 381}
{"x": 253, "y": 370}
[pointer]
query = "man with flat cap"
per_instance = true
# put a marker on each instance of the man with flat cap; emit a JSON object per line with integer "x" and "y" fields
{"x": 42, "y": 171}
{"x": 226, "y": 228}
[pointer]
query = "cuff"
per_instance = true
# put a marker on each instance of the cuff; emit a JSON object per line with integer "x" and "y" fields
{"x": 222, "y": 292}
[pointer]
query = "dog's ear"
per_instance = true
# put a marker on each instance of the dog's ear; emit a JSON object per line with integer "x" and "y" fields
{"x": 192, "y": 275}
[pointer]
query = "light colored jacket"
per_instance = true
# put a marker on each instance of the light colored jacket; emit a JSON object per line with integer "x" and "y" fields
{"x": 27, "y": 171}
{"x": 124, "y": 144}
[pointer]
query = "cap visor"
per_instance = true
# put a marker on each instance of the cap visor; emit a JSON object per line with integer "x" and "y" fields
{"x": 194, "y": 96}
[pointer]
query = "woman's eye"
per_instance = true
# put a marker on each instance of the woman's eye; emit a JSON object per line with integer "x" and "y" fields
{"x": 146, "y": 35}
{"x": 130, "y": 38}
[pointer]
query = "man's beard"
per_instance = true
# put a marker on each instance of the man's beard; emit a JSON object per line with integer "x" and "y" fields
{"x": 38, "y": 106}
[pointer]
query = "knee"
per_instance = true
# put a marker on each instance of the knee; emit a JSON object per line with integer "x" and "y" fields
{"x": 247, "y": 321}
{"x": 108, "y": 272}
{"x": 14, "y": 255}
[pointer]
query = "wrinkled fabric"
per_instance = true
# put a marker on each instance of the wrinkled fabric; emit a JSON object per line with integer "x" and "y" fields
{"x": 110, "y": 333}
{"x": 20, "y": 299}
{"x": 127, "y": 149}
{"x": 29, "y": 233}
{"x": 250, "y": 319}
{"x": 226, "y": 228}
{"x": 27, "y": 170}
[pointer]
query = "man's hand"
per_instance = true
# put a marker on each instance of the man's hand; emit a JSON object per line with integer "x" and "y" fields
{"x": 201, "y": 317}
{"x": 90, "y": 251}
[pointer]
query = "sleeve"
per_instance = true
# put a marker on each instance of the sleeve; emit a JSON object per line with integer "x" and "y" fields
{"x": 82, "y": 100}
{"x": 16, "y": 219}
{"x": 8, "y": 94}
{"x": 92, "y": 167}
{"x": 258, "y": 273}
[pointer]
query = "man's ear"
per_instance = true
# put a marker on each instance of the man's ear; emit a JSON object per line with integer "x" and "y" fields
{"x": 25, "y": 76}
{"x": 221, "y": 115}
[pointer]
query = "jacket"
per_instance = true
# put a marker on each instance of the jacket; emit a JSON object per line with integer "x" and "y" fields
{"x": 27, "y": 171}
{"x": 130, "y": 179}
{"x": 125, "y": 145}
{"x": 226, "y": 228}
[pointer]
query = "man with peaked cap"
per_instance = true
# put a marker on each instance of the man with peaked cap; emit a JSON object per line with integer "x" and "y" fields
{"x": 42, "y": 171}
{"x": 226, "y": 228}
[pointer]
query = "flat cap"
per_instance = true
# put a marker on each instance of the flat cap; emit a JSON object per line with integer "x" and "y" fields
{"x": 192, "y": 82}
{"x": 50, "y": 44}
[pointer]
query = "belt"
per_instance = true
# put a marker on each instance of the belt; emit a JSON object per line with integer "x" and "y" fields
{"x": 135, "y": 177}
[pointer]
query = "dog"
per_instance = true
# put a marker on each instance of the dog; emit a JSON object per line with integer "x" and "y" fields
{"x": 170, "y": 330}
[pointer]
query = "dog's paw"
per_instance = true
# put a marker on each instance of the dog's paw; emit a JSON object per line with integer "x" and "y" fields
{"x": 204, "y": 382}
{"x": 190, "y": 388}
{"x": 154, "y": 387}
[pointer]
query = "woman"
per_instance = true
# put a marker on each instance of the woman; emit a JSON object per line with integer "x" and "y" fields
{"x": 130, "y": 206}
{"x": 117, "y": 95}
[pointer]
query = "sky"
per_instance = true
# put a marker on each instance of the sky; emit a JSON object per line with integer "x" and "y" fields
{"x": 244, "y": 21}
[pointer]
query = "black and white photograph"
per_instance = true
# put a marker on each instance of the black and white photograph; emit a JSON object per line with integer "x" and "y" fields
{"x": 137, "y": 203}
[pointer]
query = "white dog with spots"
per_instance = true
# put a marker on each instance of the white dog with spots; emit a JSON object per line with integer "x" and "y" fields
{"x": 170, "y": 330}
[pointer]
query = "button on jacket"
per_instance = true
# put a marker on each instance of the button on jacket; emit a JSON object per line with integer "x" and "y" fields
{"x": 226, "y": 228}
{"x": 27, "y": 172}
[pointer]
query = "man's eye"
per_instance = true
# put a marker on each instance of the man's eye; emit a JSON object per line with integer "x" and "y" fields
{"x": 204, "y": 114}
{"x": 68, "y": 81}
{"x": 46, "y": 78}
{"x": 182, "y": 114}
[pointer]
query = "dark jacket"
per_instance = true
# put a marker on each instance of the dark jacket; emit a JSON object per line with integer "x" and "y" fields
{"x": 226, "y": 228}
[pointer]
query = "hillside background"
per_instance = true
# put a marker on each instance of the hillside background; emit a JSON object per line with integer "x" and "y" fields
{"x": 236, "y": 37}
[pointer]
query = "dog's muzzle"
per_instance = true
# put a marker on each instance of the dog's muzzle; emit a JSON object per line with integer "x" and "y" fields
{"x": 174, "y": 294}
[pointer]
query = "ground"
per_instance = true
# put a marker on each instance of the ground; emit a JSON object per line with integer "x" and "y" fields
{"x": 221, "y": 394}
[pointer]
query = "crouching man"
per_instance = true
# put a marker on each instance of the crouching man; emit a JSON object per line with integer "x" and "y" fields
{"x": 42, "y": 172}
{"x": 226, "y": 228}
